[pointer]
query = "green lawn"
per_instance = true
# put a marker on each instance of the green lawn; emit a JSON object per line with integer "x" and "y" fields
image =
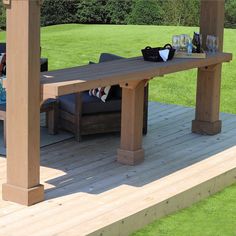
{"x": 70, "y": 45}
{"x": 215, "y": 216}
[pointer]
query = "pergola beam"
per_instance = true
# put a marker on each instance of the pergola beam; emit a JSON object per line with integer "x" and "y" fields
{"x": 23, "y": 103}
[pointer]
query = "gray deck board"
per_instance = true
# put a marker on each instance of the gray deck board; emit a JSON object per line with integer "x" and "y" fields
{"x": 83, "y": 181}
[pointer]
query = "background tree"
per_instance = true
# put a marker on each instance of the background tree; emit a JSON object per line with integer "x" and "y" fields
{"x": 2, "y": 16}
{"x": 146, "y": 12}
{"x": 118, "y": 11}
{"x": 184, "y": 12}
{"x": 92, "y": 11}
{"x": 156, "y": 12}
{"x": 58, "y": 12}
{"x": 230, "y": 13}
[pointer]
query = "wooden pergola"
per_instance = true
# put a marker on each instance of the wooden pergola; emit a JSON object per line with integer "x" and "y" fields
{"x": 24, "y": 98}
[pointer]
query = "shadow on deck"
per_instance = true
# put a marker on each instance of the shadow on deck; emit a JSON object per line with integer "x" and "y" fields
{"x": 91, "y": 167}
{"x": 89, "y": 193}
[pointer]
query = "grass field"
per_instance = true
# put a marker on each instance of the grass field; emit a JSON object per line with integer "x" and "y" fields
{"x": 215, "y": 216}
{"x": 70, "y": 45}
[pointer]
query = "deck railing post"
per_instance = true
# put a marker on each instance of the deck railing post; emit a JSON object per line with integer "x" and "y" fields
{"x": 23, "y": 99}
{"x": 209, "y": 79}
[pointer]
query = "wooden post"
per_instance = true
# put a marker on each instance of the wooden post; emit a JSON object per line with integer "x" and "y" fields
{"x": 131, "y": 152}
{"x": 23, "y": 99}
{"x": 209, "y": 79}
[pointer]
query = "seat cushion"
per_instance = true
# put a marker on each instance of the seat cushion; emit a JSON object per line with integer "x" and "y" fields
{"x": 43, "y": 64}
{"x": 90, "y": 105}
{"x": 2, "y": 47}
{"x": 105, "y": 57}
{"x": 105, "y": 93}
{"x": 46, "y": 104}
{"x": 3, "y": 107}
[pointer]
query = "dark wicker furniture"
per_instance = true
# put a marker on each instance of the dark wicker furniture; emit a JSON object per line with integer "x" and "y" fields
{"x": 50, "y": 107}
{"x": 84, "y": 115}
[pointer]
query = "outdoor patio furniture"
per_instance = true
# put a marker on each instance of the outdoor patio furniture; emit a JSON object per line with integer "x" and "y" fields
{"x": 50, "y": 107}
{"x": 43, "y": 61}
{"x": 2, "y": 47}
{"x": 132, "y": 75}
{"x": 83, "y": 114}
{"x": 43, "y": 64}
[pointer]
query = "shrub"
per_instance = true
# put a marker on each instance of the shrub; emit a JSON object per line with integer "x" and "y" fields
{"x": 118, "y": 11}
{"x": 161, "y": 12}
{"x": 2, "y": 16}
{"x": 184, "y": 12}
{"x": 58, "y": 12}
{"x": 146, "y": 12}
{"x": 92, "y": 11}
{"x": 230, "y": 13}
{"x": 103, "y": 11}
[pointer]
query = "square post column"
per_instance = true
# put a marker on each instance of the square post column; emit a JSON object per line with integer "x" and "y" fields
{"x": 23, "y": 103}
{"x": 209, "y": 78}
{"x": 131, "y": 151}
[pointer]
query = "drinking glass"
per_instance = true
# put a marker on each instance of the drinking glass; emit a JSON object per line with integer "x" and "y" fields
{"x": 209, "y": 43}
{"x": 184, "y": 39}
{"x": 187, "y": 39}
{"x": 200, "y": 39}
{"x": 176, "y": 42}
{"x": 215, "y": 44}
{"x": 212, "y": 43}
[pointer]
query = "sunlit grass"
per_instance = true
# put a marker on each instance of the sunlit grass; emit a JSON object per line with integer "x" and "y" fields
{"x": 215, "y": 216}
{"x": 70, "y": 45}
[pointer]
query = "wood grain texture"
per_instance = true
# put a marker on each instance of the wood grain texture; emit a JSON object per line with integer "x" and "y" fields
{"x": 82, "y": 78}
{"x": 212, "y": 20}
{"x": 89, "y": 193}
{"x": 209, "y": 79}
{"x": 131, "y": 151}
{"x": 23, "y": 99}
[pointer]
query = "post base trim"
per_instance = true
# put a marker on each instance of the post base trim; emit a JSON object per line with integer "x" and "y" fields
{"x": 130, "y": 157}
{"x": 23, "y": 196}
{"x": 206, "y": 127}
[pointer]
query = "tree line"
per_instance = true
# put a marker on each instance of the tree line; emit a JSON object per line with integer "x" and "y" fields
{"x": 146, "y": 12}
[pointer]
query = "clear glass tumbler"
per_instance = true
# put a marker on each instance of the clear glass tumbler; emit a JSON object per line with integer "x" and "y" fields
{"x": 176, "y": 42}
{"x": 184, "y": 39}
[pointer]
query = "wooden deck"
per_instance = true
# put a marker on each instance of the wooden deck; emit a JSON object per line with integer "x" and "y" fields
{"x": 88, "y": 192}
